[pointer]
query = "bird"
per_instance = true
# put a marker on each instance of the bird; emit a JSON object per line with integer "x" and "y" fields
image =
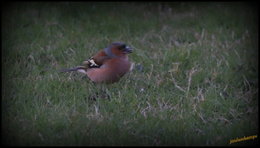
{"x": 107, "y": 65}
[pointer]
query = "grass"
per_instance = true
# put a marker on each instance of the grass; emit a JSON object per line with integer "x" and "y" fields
{"x": 197, "y": 81}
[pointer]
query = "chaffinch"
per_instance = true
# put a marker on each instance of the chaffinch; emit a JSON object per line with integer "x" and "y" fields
{"x": 108, "y": 65}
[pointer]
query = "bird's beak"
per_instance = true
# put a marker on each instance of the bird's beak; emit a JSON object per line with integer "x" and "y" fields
{"x": 128, "y": 49}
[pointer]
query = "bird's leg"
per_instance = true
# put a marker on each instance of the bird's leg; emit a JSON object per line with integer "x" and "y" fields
{"x": 99, "y": 92}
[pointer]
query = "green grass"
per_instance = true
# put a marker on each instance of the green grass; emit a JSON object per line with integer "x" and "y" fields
{"x": 198, "y": 85}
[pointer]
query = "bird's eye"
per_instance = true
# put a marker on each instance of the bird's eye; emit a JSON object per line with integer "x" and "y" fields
{"x": 122, "y": 46}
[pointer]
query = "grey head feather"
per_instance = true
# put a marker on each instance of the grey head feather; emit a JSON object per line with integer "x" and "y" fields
{"x": 108, "y": 49}
{"x": 109, "y": 52}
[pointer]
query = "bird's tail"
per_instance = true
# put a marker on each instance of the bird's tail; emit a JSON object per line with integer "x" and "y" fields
{"x": 78, "y": 68}
{"x": 69, "y": 69}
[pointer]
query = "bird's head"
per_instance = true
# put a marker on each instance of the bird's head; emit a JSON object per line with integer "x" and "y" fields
{"x": 117, "y": 49}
